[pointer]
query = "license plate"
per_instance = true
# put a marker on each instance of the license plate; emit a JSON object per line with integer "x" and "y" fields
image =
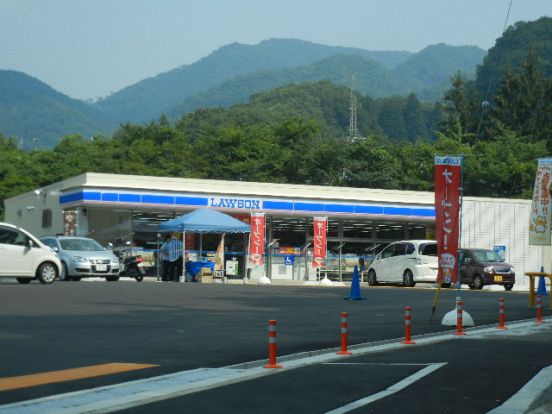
{"x": 101, "y": 268}
{"x": 498, "y": 278}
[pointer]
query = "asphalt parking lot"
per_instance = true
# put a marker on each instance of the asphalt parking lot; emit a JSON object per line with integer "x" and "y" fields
{"x": 179, "y": 327}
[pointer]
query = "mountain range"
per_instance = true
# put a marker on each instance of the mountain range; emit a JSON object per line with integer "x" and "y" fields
{"x": 31, "y": 110}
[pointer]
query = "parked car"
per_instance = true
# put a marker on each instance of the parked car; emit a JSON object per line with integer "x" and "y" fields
{"x": 83, "y": 257}
{"x": 407, "y": 262}
{"x": 482, "y": 267}
{"x": 24, "y": 257}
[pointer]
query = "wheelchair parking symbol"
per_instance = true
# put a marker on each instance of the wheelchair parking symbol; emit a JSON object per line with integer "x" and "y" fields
{"x": 288, "y": 260}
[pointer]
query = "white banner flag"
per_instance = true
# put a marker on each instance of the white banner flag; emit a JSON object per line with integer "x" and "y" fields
{"x": 539, "y": 224}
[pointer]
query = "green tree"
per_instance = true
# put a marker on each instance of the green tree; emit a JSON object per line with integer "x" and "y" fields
{"x": 370, "y": 163}
{"x": 503, "y": 167}
{"x": 414, "y": 119}
{"x": 523, "y": 102}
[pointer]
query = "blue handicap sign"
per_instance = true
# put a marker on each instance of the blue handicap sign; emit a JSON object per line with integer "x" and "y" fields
{"x": 288, "y": 260}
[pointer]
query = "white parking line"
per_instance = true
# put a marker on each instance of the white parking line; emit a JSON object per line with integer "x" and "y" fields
{"x": 521, "y": 401}
{"x": 391, "y": 390}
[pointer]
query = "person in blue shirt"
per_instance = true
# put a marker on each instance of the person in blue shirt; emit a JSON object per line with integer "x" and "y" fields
{"x": 164, "y": 251}
{"x": 172, "y": 252}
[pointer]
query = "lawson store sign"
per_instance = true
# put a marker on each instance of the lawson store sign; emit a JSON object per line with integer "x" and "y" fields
{"x": 111, "y": 198}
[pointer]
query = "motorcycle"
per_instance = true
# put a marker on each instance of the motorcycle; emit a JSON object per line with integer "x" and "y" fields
{"x": 132, "y": 267}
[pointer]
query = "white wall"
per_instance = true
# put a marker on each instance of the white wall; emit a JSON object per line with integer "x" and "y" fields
{"x": 487, "y": 223}
{"x": 26, "y": 211}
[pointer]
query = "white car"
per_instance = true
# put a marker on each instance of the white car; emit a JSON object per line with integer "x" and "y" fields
{"x": 407, "y": 262}
{"x": 24, "y": 257}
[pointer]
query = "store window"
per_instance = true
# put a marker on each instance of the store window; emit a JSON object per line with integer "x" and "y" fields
{"x": 46, "y": 218}
{"x": 390, "y": 231}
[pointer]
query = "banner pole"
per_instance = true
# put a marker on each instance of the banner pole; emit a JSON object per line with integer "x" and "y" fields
{"x": 460, "y": 223}
{"x": 183, "y": 276}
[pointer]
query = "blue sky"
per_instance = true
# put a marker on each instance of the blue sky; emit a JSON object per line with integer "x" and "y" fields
{"x": 91, "y": 48}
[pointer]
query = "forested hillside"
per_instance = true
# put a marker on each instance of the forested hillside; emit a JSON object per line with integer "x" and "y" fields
{"x": 512, "y": 50}
{"x": 399, "y": 118}
{"x": 371, "y": 78}
{"x": 34, "y": 112}
{"x": 38, "y": 114}
{"x": 146, "y": 100}
{"x": 428, "y": 72}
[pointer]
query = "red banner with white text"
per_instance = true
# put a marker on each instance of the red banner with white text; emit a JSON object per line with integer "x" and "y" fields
{"x": 319, "y": 245}
{"x": 257, "y": 239}
{"x": 448, "y": 182}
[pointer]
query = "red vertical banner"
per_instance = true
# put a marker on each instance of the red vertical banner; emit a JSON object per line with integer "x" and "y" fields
{"x": 448, "y": 182}
{"x": 257, "y": 239}
{"x": 319, "y": 245}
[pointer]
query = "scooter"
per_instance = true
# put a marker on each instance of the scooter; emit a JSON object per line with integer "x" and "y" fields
{"x": 132, "y": 267}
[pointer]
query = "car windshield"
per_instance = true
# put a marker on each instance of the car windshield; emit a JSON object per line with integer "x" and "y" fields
{"x": 487, "y": 256}
{"x": 428, "y": 249}
{"x": 81, "y": 245}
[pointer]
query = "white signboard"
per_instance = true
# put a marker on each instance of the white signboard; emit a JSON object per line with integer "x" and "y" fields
{"x": 539, "y": 222}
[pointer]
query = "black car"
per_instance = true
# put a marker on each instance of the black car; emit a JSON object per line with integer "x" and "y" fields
{"x": 482, "y": 267}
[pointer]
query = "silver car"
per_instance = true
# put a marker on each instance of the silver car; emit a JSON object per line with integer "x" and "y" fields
{"x": 83, "y": 257}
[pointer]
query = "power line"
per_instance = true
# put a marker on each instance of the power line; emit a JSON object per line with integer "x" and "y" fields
{"x": 485, "y": 102}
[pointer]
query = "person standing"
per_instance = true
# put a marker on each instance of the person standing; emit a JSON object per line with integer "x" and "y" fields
{"x": 165, "y": 258}
{"x": 174, "y": 247}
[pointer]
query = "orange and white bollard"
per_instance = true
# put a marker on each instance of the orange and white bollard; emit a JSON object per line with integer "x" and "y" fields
{"x": 539, "y": 310}
{"x": 344, "y": 335}
{"x": 459, "y": 323}
{"x": 272, "y": 346}
{"x": 501, "y": 317}
{"x": 407, "y": 326}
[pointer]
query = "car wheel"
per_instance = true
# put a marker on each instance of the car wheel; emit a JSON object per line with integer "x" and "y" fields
{"x": 24, "y": 280}
{"x": 139, "y": 278}
{"x": 372, "y": 279}
{"x": 508, "y": 286}
{"x": 478, "y": 282}
{"x": 112, "y": 278}
{"x": 408, "y": 278}
{"x": 471, "y": 286}
{"x": 47, "y": 273}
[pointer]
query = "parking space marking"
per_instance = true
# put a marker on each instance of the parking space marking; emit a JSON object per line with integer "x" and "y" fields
{"x": 391, "y": 390}
{"x": 32, "y": 380}
{"x": 528, "y": 394}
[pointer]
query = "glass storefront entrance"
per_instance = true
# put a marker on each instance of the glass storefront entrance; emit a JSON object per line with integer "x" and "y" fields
{"x": 349, "y": 240}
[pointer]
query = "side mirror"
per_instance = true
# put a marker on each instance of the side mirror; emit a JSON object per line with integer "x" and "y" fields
{"x": 30, "y": 242}
{"x": 109, "y": 246}
{"x": 467, "y": 260}
{"x": 55, "y": 249}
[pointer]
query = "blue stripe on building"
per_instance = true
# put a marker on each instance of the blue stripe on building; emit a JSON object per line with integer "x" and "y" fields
{"x": 157, "y": 199}
{"x": 111, "y": 197}
{"x": 278, "y": 205}
{"x": 191, "y": 201}
{"x": 309, "y": 207}
{"x": 129, "y": 198}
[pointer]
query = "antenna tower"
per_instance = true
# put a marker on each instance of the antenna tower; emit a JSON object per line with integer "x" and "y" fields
{"x": 353, "y": 130}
